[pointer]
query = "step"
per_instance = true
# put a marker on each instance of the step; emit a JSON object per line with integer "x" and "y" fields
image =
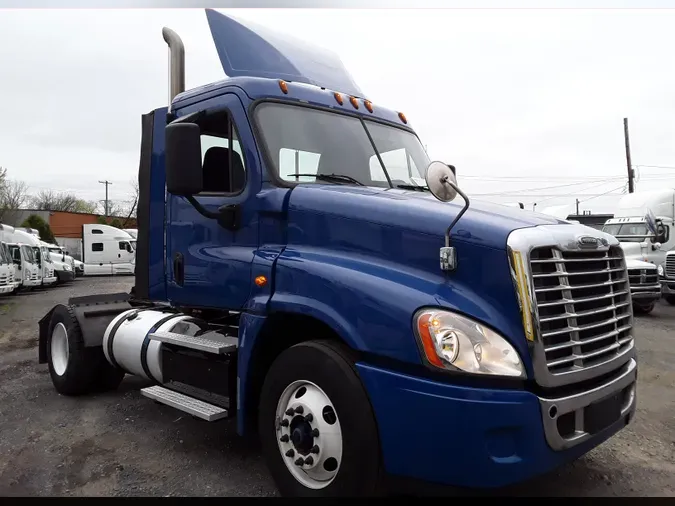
{"x": 222, "y": 344}
{"x": 185, "y": 403}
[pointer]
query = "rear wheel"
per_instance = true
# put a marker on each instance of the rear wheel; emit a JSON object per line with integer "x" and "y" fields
{"x": 74, "y": 368}
{"x": 316, "y": 424}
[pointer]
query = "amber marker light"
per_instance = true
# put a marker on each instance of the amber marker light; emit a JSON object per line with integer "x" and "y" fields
{"x": 338, "y": 98}
{"x": 283, "y": 86}
{"x": 261, "y": 281}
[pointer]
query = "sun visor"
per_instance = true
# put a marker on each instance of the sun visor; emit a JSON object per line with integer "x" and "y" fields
{"x": 246, "y": 49}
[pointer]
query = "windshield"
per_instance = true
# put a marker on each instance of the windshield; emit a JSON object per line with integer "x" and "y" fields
{"x": 628, "y": 232}
{"x": 302, "y": 140}
{"x": 46, "y": 255}
{"x": 28, "y": 254}
{"x": 4, "y": 254}
{"x": 133, "y": 245}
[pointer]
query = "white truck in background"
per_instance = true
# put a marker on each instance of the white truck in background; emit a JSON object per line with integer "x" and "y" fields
{"x": 7, "y": 269}
{"x": 64, "y": 266}
{"x": 40, "y": 255}
{"x": 643, "y": 223}
{"x": 107, "y": 251}
{"x": 630, "y": 225}
{"x": 27, "y": 274}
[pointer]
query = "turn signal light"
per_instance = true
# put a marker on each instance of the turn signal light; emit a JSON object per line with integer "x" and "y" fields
{"x": 261, "y": 281}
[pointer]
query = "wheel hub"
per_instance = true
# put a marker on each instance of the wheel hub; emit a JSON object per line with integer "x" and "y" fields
{"x": 301, "y": 435}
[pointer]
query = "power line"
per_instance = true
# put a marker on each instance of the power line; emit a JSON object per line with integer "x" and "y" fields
{"x": 520, "y": 191}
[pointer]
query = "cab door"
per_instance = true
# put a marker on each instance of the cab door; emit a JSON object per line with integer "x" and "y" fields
{"x": 209, "y": 261}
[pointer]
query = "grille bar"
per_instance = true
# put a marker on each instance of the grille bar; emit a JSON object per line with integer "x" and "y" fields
{"x": 570, "y": 344}
{"x": 552, "y": 261}
{"x": 584, "y": 313}
{"x": 579, "y": 287}
{"x": 565, "y": 273}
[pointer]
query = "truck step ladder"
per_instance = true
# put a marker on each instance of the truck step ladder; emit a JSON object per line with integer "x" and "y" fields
{"x": 209, "y": 343}
{"x": 185, "y": 403}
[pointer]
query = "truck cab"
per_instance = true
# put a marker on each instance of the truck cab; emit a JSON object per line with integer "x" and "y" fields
{"x": 7, "y": 283}
{"x": 304, "y": 267}
{"x": 41, "y": 257}
{"x": 107, "y": 250}
{"x": 64, "y": 265}
{"x": 631, "y": 226}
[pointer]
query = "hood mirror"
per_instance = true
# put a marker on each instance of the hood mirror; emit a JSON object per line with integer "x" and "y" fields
{"x": 442, "y": 183}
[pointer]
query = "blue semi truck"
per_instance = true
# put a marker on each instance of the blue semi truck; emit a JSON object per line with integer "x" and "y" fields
{"x": 303, "y": 267}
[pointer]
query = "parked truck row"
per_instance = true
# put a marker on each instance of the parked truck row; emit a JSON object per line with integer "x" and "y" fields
{"x": 27, "y": 262}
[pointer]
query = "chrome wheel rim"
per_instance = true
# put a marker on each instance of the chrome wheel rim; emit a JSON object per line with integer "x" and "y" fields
{"x": 59, "y": 349}
{"x": 308, "y": 434}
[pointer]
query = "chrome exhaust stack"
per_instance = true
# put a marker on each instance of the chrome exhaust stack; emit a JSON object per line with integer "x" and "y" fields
{"x": 176, "y": 63}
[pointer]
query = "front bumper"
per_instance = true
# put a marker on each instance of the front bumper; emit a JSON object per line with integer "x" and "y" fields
{"x": 6, "y": 289}
{"x": 65, "y": 276}
{"x": 50, "y": 280}
{"x": 484, "y": 438}
{"x": 668, "y": 286}
{"x": 27, "y": 283}
{"x": 645, "y": 293}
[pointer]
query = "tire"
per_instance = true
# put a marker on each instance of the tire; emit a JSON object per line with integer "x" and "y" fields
{"x": 670, "y": 299}
{"x": 81, "y": 370}
{"x": 643, "y": 308}
{"x": 328, "y": 367}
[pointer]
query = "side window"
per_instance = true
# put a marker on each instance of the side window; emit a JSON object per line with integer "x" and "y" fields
{"x": 223, "y": 165}
{"x": 294, "y": 161}
{"x": 96, "y": 231}
{"x": 399, "y": 164}
{"x": 97, "y": 246}
{"x": 123, "y": 245}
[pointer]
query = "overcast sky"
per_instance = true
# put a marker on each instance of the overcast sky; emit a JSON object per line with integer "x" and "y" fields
{"x": 526, "y": 103}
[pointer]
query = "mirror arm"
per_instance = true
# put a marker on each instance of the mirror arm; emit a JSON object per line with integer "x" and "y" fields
{"x": 228, "y": 216}
{"x": 459, "y": 215}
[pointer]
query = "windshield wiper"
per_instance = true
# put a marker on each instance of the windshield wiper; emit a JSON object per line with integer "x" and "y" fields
{"x": 412, "y": 187}
{"x": 330, "y": 177}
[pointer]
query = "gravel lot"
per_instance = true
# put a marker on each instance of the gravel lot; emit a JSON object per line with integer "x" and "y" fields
{"x": 122, "y": 444}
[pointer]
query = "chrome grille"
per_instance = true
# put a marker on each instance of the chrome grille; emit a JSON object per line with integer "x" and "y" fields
{"x": 638, "y": 277}
{"x": 670, "y": 266}
{"x": 584, "y": 307}
{"x": 4, "y": 280}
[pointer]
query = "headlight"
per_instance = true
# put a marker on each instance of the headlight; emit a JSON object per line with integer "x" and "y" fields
{"x": 451, "y": 341}
{"x": 660, "y": 270}
{"x": 66, "y": 267}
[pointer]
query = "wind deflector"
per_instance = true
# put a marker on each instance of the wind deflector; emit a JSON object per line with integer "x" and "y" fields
{"x": 246, "y": 49}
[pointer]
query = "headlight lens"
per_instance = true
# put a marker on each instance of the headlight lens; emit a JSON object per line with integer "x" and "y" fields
{"x": 451, "y": 341}
{"x": 660, "y": 270}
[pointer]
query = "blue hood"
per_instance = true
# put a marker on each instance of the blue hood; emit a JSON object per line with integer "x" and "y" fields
{"x": 483, "y": 224}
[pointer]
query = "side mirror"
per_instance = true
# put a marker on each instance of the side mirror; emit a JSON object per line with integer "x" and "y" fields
{"x": 129, "y": 249}
{"x": 183, "y": 159}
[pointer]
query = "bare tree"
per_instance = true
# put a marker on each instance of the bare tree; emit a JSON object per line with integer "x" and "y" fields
{"x": 48, "y": 200}
{"x": 13, "y": 195}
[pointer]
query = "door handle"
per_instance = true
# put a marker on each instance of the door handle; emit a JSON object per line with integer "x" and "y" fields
{"x": 178, "y": 269}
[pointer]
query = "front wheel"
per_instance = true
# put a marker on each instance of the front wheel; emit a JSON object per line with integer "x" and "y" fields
{"x": 643, "y": 308}
{"x": 316, "y": 425}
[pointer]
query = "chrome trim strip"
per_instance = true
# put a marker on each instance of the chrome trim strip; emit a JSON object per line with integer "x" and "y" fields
{"x": 576, "y": 403}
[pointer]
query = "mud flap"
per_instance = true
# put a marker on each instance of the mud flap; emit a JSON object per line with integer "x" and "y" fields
{"x": 93, "y": 313}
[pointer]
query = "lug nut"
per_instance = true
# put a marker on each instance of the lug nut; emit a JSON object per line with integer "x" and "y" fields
{"x": 315, "y": 432}
{"x": 309, "y": 417}
{"x": 290, "y": 453}
{"x": 299, "y": 410}
{"x": 309, "y": 461}
{"x": 290, "y": 412}
{"x": 284, "y": 438}
{"x": 300, "y": 461}
{"x": 315, "y": 449}
{"x": 284, "y": 422}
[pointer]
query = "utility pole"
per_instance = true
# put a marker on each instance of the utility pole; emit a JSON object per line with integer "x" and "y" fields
{"x": 631, "y": 173}
{"x": 106, "y": 183}
{"x": 577, "y": 207}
